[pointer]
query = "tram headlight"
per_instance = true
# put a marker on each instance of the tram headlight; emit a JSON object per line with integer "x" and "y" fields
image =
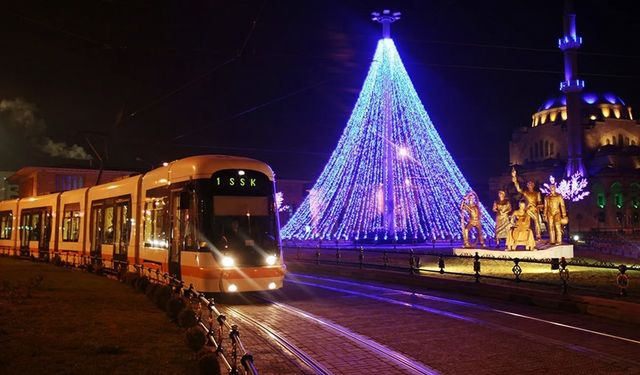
{"x": 227, "y": 261}
{"x": 271, "y": 260}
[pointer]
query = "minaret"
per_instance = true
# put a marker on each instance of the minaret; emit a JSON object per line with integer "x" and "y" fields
{"x": 386, "y": 19}
{"x": 572, "y": 87}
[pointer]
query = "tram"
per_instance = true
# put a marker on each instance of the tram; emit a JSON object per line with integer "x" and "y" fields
{"x": 210, "y": 220}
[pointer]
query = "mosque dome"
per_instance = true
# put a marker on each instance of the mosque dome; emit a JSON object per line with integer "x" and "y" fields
{"x": 595, "y": 106}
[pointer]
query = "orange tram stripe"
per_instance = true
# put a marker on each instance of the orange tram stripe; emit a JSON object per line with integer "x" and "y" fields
{"x": 235, "y": 273}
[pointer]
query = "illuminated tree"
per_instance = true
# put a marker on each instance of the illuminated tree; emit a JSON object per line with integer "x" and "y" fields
{"x": 390, "y": 176}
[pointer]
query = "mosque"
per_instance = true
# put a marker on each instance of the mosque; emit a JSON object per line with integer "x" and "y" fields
{"x": 590, "y": 133}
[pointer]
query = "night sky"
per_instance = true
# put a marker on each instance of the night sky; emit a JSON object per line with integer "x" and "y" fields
{"x": 150, "y": 81}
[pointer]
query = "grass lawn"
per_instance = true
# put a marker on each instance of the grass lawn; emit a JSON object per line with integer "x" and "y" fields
{"x": 79, "y": 323}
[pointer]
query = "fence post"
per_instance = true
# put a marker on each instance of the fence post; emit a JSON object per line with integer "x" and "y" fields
{"x": 622, "y": 280}
{"x": 564, "y": 275}
{"x": 441, "y": 264}
{"x": 517, "y": 270}
{"x": 476, "y": 267}
{"x": 361, "y": 256}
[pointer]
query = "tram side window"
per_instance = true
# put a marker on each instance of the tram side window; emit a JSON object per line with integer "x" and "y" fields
{"x": 71, "y": 223}
{"x": 6, "y": 221}
{"x": 156, "y": 223}
{"x": 107, "y": 226}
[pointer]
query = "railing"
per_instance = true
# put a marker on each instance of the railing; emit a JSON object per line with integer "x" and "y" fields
{"x": 416, "y": 261}
{"x": 215, "y": 335}
{"x": 215, "y": 325}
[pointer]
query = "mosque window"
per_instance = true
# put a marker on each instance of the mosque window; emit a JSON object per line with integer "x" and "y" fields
{"x": 563, "y": 114}
{"x": 616, "y": 112}
{"x": 601, "y": 217}
{"x": 616, "y": 192}
{"x": 605, "y": 111}
{"x": 633, "y": 142}
{"x": 634, "y": 192}
{"x": 620, "y": 140}
{"x": 546, "y": 148}
{"x": 541, "y": 149}
{"x": 626, "y": 141}
{"x": 552, "y": 149}
{"x": 601, "y": 200}
{"x": 535, "y": 150}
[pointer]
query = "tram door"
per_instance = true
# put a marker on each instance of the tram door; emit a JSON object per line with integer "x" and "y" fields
{"x": 44, "y": 237}
{"x": 122, "y": 231}
{"x": 180, "y": 202}
{"x": 25, "y": 233}
{"x": 97, "y": 218}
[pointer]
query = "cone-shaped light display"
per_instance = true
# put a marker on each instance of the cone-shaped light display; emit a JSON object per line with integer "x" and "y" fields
{"x": 390, "y": 177}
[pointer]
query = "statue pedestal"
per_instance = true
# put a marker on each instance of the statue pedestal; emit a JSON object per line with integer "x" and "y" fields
{"x": 555, "y": 251}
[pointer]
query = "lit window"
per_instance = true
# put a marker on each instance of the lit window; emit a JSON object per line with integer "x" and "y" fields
{"x": 156, "y": 223}
{"x": 71, "y": 222}
{"x": 6, "y": 223}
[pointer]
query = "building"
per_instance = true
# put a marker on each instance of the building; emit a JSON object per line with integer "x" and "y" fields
{"x": 34, "y": 181}
{"x": 591, "y": 133}
{"x": 7, "y": 189}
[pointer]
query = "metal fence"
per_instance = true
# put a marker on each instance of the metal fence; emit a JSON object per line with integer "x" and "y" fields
{"x": 613, "y": 279}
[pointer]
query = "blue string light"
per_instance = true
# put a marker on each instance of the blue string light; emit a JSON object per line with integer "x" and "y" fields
{"x": 388, "y": 125}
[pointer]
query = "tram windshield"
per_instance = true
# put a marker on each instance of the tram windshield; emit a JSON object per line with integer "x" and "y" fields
{"x": 244, "y": 221}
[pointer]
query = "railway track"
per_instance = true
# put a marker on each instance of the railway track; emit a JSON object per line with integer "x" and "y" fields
{"x": 412, "y": 300}
{"x": 322, "y": 357}
{"x": 304, "y": 360}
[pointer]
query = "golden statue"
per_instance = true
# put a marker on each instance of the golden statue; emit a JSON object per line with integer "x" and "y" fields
{"x": 502, "y": 208}
{"x": 555, "y": 214}
{"x": 470, "y": 207}
{"x": 533, "y": 200}
{"x": 521, "y": 233}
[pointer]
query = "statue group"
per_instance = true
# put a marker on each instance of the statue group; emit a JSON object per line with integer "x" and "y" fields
{"x": 515, "y": 226}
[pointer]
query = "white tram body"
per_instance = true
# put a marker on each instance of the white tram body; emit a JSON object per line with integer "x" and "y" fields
{"x": 209, "y": 220}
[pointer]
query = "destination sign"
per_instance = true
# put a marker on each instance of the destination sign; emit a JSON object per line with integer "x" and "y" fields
{"x": 241, "y": 182}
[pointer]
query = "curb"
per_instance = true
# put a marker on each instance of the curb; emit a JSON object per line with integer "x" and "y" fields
{"x": 622, "y": 311}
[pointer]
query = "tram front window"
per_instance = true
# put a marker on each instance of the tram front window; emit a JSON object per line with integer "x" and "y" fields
{"x": 244, "y": 228}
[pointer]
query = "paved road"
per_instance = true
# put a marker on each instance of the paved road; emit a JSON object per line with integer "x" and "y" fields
{"x": 347, "y": 327}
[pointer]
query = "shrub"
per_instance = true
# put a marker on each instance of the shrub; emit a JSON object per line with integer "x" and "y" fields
{"x": 187, "y": 318}
{"x": 141, "y": 284}
{"x": 174, "y": 306}
{"x": 196, "y": 338}
{"x": 208, "y": 362}
{"x": 129, "y": 277}
{"x": 162, "y": 295}
{"x": 57, "y": 261}
{"x": 151, "y": 290}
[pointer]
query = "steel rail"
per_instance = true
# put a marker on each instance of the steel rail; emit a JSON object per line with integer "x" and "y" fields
{"x": 298, "y": 353}
{"x": 457, "y": 316}
{"x": 398, "y": 358}
{"x": 467, "y": 304}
